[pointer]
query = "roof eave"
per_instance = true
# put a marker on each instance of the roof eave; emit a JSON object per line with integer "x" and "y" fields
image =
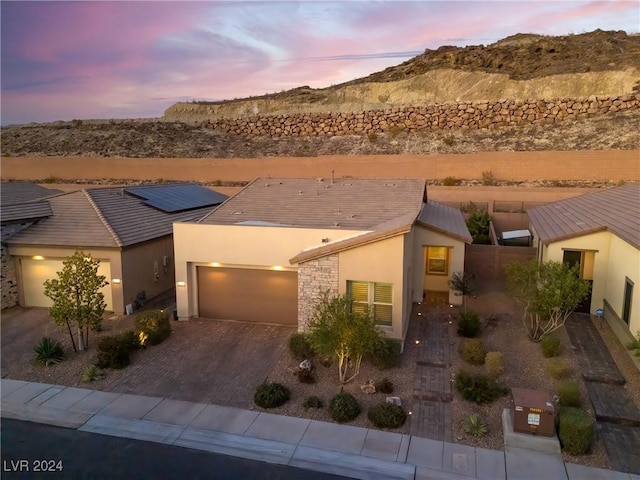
{"x": 445, "y": 232}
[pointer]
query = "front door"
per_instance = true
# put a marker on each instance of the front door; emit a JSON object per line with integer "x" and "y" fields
{"x": 626, "y": 307}
{"x": 584, "y": 260}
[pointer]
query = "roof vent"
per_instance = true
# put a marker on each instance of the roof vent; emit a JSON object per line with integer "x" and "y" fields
{"x": 389, "y": 184}
{"x": 237, "y": 213}
{"x": 351, "y": 216}
{"x": 320, "y": 180}
{"x": 347, "y": 184}
{"x": 337, "y": 224}
{"x": 299, "y": 192}
{"x": 325, "y": 240}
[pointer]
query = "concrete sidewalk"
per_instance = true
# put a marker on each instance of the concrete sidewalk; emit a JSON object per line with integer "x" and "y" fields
{"x": 339, "y": 449}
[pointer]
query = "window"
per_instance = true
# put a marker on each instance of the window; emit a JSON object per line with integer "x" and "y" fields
{"x": 437, "y": 261}
{"x": 375, "y": 296}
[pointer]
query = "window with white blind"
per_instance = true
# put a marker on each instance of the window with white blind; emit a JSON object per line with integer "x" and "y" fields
{"x": 437, "y": 260}
{"x": 375, "y": 296}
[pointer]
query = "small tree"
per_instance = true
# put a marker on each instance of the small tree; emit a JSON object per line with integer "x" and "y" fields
{"x": 460, "y": 283}
{"x": 478, "y": 225}
{"x": 76, "y": 296}
{"x": 549, "y": 293}
{"x": 336, "y": 329}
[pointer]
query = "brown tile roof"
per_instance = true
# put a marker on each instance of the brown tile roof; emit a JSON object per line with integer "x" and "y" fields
{"x": 19, "y": 192}
{"x": 445, "y": 219}
{"x": 345, "y": 203}
{"x": 615, "y": 209}
{"x": 102, "y": 217}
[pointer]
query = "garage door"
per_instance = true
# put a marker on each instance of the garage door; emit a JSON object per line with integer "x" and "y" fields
{"x": 249, "y": 295}
{"x": 36, "y": 272}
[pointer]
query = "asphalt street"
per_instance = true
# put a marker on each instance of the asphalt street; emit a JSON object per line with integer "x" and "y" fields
{"x": 35, "y": 451}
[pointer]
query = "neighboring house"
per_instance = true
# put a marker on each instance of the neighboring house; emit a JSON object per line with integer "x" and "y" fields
{"x": 267, "y": 253}
{"x": 128, "y": 229}
{"x": 21, "y": 204}
{"x": 599, "y": 231}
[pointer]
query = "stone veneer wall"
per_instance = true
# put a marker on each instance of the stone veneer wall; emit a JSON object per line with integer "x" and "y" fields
{"x": 9, "y": 279}
{"x": 437, "y": 117}
{"x": 315, "y": 277}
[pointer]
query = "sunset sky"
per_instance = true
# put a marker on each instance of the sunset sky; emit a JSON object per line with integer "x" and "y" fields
{"x": 125, "y": 59}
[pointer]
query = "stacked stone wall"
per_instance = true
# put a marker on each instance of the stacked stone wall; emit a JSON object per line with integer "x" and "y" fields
{"x": 9, "y": 280}
{"x": 427, "y": 118}
{"x": 315, "y": 277}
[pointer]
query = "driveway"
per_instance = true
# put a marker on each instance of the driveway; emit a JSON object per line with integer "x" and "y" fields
{"x": 208, "y": 361}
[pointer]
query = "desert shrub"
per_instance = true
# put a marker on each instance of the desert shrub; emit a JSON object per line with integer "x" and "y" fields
{"x": 395, "y": 130}
{"x": 449, "y": 141}
{"x": 271, "y": 395}
{"x": 468, "y": 325}
{"x": 48, "y": 352}
{"x": 372, "y": 136}
{"x": 494, "y": 363}
{"x": 387, "y": 415}
{"x": 313, "y": 402}
{"x": 89, "y": 373}
{"x": 300, "y": 347}
{"x": 473, "y": 351}
{"x": 488, "y": 178}
{"x": 450, "y": 182}
{"x": 550, "y": 346}
{"x": 569, "y": 394}
{"x": 115, "y": 351}
{"x": 344, "y": 407}
{"x": 155, "y": 324}
{"x": 384, "y": 386}
{"x": 635, "y": 344}
{"x": 557, "y": 369}
{"x": 306, "y": 375}
{"x": 474, "y": 426}
{"x": 575, "y": 430}
{"x": 478, "y": 388}
{"x": 386, "y": 354}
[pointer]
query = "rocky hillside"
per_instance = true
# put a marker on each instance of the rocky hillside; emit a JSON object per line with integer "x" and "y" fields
{"x": 516, "y": 68}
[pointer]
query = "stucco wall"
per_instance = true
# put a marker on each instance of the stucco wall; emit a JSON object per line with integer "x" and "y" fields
{"x": 138, "y": 269}
{"x": 624, "y": 262}
{"x": 377, "y": 262}
{"x": 314, "y": 277}
{"x": 426, "y": 237}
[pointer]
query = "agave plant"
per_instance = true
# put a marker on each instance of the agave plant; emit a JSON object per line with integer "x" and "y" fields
{"x": 48, "y": 352}
{"x": 474, "y": 426}
{"x": 89, "y": 374}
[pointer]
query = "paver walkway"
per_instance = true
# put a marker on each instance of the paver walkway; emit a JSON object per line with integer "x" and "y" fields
{"x": 617, "y": 416}
{"x": 432, "y": 392}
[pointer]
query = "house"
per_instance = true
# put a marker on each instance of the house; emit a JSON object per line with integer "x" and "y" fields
{"x": 128, "y": 229}
{"x": 600, "y": 232}
{"x": 267, "y": 253}
{"x": 22, "y": 204}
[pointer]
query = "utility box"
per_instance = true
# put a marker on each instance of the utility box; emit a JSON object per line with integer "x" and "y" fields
{"x": 532, "y": 412}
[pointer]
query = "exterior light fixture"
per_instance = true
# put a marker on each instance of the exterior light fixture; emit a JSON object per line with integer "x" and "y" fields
{"x": 419, "y": 314}
{"x": 417, "y": 342}
{"x": 38, "y": 257}
{"x": 182, "y": 284}
{"x": 117, "y": 281}
{"x": 215, "y": 264}
{"x": 450, "y": 305}
{"x": 277, "y": 267}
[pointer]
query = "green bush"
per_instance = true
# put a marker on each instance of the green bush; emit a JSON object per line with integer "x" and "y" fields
{"x": 155, "y": 324}
{"x": 271, "y": 395}
{"x": 48, "y": 352}
{"x": 550, "y": 346}
{"x": 344, "y": 407}
{"x": 306, "y": 375}
{"x": 575, "y": 430}
{"x": 469, "y": 325}
{"x": 494, "y": 363}
{"x": 569, "y": 394}
{"x": 386, "y": 354}
{"x": 557, "y": 369}
{"x": 473, "y": 351}
{"x": 300, "y": 347}
{"x": 89, "y": 373}
{"x": 474, "y": 426}
{"x": 313, "y": 402}
{"x": 387, "y": 415}
{"x": 115, "y": 351}
{"x": 384, "y": 386}
{"x": 450, "y": 182}
{"x": 478, "y": 388}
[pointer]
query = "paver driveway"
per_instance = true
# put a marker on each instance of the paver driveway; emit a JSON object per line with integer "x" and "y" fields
{"x": 206, "y": 361}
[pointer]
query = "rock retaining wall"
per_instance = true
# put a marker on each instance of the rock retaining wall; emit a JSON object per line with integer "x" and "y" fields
{"x": 438, "y": 117}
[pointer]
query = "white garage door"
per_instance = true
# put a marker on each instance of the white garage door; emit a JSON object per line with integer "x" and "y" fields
{"x": 36, "y": 272}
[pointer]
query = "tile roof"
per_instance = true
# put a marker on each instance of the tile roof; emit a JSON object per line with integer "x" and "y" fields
{"x": 22, "y": 212}
{"x": 615, "y": 209}
{"x": 345, "y": 203}
{"x": 445, "y": 219}
{"x": 20, "y": 192}
{"x": 102, "y": 217}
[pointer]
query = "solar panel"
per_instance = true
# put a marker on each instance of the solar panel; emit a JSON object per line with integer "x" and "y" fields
{"x": 177, "y": 197}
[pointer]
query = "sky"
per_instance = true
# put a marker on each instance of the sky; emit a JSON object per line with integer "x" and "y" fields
{"x": 133, "y": 59}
